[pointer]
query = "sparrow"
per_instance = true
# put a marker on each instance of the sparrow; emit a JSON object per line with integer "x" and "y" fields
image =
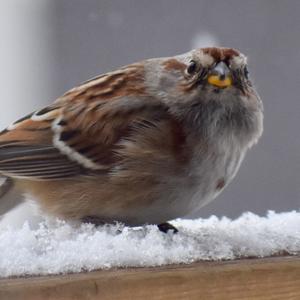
{"x": 145, "y": 144}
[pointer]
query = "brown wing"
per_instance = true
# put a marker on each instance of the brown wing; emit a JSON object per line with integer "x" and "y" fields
{"x": 71, "y": 142}
{"x": 26, "y": 150}
{"x": 80, "y": 133}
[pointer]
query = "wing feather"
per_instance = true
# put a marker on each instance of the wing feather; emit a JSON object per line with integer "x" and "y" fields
{"x": 81, "y": 132}
{"x": 72, "y": 146}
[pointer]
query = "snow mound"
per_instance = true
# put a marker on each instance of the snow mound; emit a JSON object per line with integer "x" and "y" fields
{"x": 58, "y": 247}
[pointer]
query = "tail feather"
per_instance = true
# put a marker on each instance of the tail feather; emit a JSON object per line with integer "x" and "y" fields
{"x": 10, "y": 197}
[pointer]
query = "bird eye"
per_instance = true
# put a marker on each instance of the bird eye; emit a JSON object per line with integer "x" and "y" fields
{"x": 246, "y": 73}
{"x": 191, "y": 67}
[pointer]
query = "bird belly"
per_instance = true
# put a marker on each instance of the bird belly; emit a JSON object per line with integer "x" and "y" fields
{"x": 180, "y": 195}
{"x": 137, "y": 199}
{"x": 212, "y": 175}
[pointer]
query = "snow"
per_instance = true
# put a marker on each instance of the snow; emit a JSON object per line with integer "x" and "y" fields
{"x": 57, "y": 247}
{"x": 28, "y": 211}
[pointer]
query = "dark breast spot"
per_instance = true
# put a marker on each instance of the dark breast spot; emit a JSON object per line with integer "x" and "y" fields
{"x": 220, "y": 184}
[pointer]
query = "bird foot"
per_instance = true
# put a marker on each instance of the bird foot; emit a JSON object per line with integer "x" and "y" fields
{"x": 165, "y": 227}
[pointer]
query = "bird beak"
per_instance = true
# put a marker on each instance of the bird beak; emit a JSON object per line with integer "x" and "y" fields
{"x": 220, "y": 76}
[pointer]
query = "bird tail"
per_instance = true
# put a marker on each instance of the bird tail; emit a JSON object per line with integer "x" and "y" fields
{"x": 9, "y": 195}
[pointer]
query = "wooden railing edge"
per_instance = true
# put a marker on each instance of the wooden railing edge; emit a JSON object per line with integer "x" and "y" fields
{"x": 265, "y": 278}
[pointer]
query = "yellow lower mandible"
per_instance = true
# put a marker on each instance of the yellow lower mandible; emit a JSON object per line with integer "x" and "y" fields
{"x": 222, "y": 83}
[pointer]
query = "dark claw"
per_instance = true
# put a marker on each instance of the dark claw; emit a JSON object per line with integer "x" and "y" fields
{"x": 165, "y": 227}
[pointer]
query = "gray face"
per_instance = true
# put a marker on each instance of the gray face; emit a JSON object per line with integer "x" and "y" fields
{"x": 209, "y": 89}
{"x": 215, "y": 73}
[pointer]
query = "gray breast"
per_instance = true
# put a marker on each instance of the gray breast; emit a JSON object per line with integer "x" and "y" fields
{"x": 209, "y": 173}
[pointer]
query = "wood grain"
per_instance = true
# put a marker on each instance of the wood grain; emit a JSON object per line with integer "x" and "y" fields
{"x": 259, "y": 279}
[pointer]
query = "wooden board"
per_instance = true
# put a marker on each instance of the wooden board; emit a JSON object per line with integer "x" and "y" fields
{"x": 259, "y": 279}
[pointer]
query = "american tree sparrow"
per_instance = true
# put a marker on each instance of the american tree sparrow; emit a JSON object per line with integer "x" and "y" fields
{"x": 150, "y": 142}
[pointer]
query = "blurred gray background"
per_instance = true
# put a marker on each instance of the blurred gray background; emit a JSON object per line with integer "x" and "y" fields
{"x": 48, "y": 46}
